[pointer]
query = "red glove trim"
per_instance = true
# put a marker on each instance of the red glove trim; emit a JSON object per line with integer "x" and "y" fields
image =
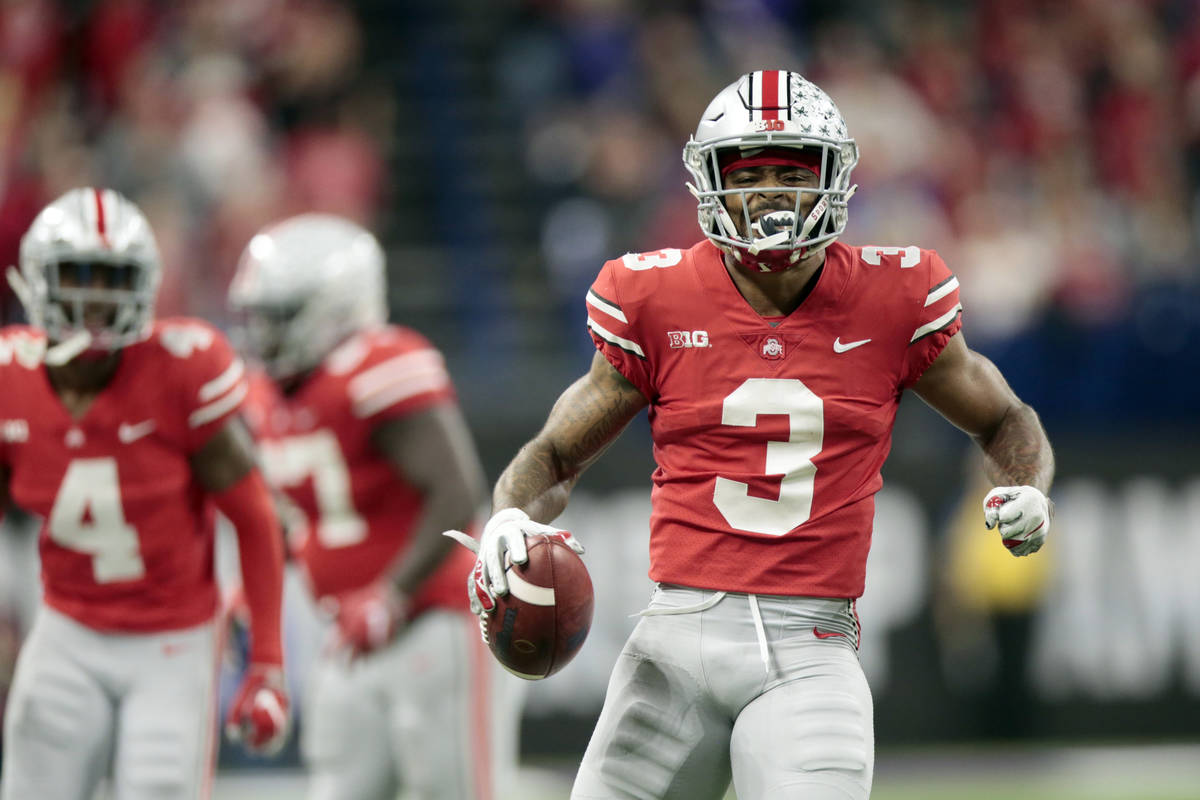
{"x": 260, "y": 713}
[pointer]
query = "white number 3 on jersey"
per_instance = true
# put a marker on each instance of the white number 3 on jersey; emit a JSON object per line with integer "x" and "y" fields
{"x": 791, "y": 459}
{"x": 87, "y": 516}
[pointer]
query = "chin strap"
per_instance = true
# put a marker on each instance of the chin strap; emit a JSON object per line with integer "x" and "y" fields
{"x": 784, "y": 234}
{"x": 20, "y": 288}
{"x": 775, "y": 235}
{"x": 63, "y": 351}
{"x": 67, "y": 349}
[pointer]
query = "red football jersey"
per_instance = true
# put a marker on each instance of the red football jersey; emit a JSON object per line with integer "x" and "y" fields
{"x": 316, "y": 447}
{"x": 127, "y": 538}
{"x": 769, "y": 434}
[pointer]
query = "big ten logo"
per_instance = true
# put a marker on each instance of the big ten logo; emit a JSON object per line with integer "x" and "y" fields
{"x": 679, "y": 339}
{"x": 770, "y": 125}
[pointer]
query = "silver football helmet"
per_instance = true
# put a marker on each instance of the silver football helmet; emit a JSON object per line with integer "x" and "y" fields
{"x": 772, "y": 109}
{"x": 305, "y": 285}
{"x": 91, "y": 249}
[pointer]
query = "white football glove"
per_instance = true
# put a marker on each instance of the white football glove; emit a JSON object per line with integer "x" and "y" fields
{"x": 504, "y": 533}
{"x": 1023, "y": 515}
{"x": 260, "y": 714}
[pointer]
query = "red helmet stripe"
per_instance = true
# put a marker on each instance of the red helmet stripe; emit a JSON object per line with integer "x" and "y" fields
{"x": 770, "y": 94}
{"x": 100, "y": 226}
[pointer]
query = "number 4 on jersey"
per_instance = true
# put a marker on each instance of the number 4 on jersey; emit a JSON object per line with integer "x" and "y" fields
{"x": 88, "y": 517}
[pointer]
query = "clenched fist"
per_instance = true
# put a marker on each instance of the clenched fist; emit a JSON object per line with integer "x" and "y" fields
{"x": 260, "y": 714}
{"x": 1022, "y": 513}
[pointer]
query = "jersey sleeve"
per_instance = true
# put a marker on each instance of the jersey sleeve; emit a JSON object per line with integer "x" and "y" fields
{"x": 938, "y": 317}
{"x": 614, "y": 331}
{"x": 211, "y": 378}
{"x": 402, "y": 375}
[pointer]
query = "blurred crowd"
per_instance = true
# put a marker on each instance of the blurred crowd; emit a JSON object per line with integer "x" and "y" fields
{"x": 1049, "y": 149}
{"x": 216, "y": 116}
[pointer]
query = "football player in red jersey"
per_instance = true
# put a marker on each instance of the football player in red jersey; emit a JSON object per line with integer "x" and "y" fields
{"x": 360, "y": 427}
{"x": 121, "y": 433}
{"x": 771, "y": 359}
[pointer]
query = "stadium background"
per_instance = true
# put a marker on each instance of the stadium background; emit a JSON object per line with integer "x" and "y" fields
{"x": 503, "y": 149}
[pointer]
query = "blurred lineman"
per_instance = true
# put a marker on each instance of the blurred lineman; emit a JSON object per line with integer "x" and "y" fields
{"x": 122, "y": 433}
{"x": 361, "y": 428}
{"x": 771, "y": 359}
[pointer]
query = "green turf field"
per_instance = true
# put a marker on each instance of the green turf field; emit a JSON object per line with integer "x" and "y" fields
{"x": 1035, "y": 772}
{"x": 1019, "y": 791}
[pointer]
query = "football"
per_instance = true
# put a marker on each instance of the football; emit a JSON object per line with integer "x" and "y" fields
{"x": 539, "y": 626}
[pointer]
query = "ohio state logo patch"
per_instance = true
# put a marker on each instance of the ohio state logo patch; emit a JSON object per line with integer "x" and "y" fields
{"x": 773, "y": 348}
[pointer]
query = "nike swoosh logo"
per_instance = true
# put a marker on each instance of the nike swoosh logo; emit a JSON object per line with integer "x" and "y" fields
{"x": 820, "y": 634}
{"x": 131, "y": 433}
{"x": 838, "y": 347}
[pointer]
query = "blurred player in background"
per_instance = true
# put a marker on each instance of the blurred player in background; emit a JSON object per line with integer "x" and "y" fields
{"x": 771, "y": 359}
{"x": 122, "y": 434}
{"x": 360, "y": 426}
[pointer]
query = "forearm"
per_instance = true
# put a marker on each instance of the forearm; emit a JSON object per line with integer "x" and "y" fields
{"x": 433, "y": 452}
{"x": 1017, "y": 452}
{"x": 586, "y": 419}
{"x": 443, "y": 510}
{"x": 535, "y": 482}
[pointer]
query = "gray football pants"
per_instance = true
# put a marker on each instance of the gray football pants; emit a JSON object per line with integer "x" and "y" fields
{"x": 432, "y": 713}
{"x": 761, "y": 689}
{"x": 85, "y": 703}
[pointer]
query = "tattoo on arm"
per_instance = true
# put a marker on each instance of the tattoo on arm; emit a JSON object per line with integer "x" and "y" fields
{"x": 585, "y": 420}
{"x": 1017, "y": 452}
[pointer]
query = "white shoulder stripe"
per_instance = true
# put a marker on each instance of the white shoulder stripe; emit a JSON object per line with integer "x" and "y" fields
{"x": 223, "y": 382}
{"x": 396, "y": 392}
{"x": 216, "y": 409}
{"x": 596, "y": 300}
{"x": 940, "y": 322}
{"x": 612, "y": 338}
{"x": 937, "y": 293}
{"x": 395, "y": 370}
{"x": 432, "y": 372}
